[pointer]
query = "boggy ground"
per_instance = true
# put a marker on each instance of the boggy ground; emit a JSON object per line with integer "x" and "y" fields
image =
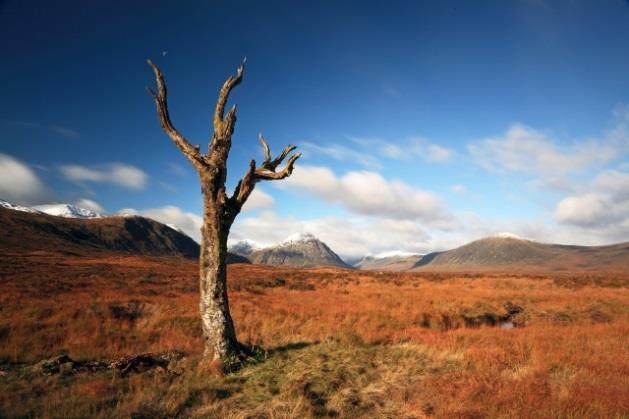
{"x": 335, "y": 343}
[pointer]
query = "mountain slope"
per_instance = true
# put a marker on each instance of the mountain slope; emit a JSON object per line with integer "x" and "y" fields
{"x": 22, "y": 231}
{"x": 301, "y": 251}
{"x": 506, "y": 252}
{"x": 388, "y": 263}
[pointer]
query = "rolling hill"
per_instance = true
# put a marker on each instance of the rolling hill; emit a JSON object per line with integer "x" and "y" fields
{"x": 499, "y": 253}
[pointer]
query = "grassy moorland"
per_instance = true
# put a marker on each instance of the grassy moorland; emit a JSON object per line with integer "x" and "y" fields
{"x": 333, "y": 343}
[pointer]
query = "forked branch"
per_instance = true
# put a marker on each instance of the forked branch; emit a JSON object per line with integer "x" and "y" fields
{"x": 161, "y": 103}
{"x": 268, "y": 163}
{"x": 266, "y": 172}
{"x": 225, "y": 125}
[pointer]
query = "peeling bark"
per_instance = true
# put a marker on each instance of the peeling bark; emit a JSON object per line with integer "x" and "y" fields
{"x": 219, "y": 210}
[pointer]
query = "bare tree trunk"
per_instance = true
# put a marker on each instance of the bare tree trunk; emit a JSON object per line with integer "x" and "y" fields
{"x": 219, "y": 210}
{"x": 218, "y": 328}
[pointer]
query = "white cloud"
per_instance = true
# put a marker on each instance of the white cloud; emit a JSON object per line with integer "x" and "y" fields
{"x": 369, "y": 148}
{"x": 90, "y": 205}
{"x": 258, "y": 199}
{"x": 189, "y": 222}
{"x": 115, "y": 173}
{"x": 407, "y": 149}
{"x": 458, "y": 189}
{"x": 526, "y": 150}
{"x": 368, "y": 193}
{"x": 585, "y": 210}
{"x": 19, "y": 183}
{"x": 603, "y": 204}
{"x": 428, "y": 151}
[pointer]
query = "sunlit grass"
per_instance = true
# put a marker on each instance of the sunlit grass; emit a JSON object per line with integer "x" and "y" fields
{"x": 335, "y": 343}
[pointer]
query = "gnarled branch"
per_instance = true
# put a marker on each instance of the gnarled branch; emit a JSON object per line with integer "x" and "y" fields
{"x": 161, "y": 103}
{"x": 265, "y": 172}
{"x": 268, "y": 163}
{"x": 225, "y": 125}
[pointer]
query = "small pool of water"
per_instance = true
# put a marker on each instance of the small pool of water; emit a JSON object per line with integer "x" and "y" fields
{"x": 508, "y": 325}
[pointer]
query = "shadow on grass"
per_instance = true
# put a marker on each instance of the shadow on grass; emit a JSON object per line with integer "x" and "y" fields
{"x": 253, "y": 355}
{"x": 289, "y": 347}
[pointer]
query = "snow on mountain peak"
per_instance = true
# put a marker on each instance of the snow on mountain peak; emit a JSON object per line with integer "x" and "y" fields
{"x": 15, "y": 207}
{"x": 299, "y": 238}
{"x": 394, "y": 253}
{"x": 67, "y": 211}
{"x": 507, "y": 235}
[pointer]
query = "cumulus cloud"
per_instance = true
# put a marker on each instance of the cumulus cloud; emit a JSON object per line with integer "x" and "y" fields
{"x": 368, "y": 193}
{"x": 603, "y": 204}
{"x": 258, "y": 199}
{"x": 19, "y": 183}
{"x": 527, "y": 150}
{"x": 524, "y": 149}
{"x": 190, "y": 223}
{"x": 90, "y": 205}
{"x": 120, "y": 174}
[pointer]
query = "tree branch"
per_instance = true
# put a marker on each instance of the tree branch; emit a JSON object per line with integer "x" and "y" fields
{"x": 262, "y": 173}
{"x": 268, "y": 163}
{"x": 219, "y": 122}
{"x": 245, "y": 186}
{"x": 266, "y": 172}
{"x": 161, "y": 103}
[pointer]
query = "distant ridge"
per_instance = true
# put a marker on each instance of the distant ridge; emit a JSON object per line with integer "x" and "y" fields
{"x": 388, "y": 263}
{"x": 503, "y": 252}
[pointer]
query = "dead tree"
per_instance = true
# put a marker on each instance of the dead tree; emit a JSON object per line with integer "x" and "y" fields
{"x": 219, "y": 209}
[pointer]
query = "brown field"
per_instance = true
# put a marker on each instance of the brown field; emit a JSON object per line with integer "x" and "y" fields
{"x": 334, "y": 343}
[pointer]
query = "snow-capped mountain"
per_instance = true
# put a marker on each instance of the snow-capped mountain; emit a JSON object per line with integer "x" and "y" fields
{"x": 507, "y": 235}
{"x": 297, "y": 250}
{"x": 15, "y": 207}
{"x": 67, "y": 211}
{"x": 298, "y": 238}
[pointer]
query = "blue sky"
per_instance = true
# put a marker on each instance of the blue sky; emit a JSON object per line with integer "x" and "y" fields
{"x": 423, "y": 124}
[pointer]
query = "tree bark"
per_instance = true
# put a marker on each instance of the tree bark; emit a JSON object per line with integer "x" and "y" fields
{"x": 218, "y": 327}
{"x": 219, "y": 210}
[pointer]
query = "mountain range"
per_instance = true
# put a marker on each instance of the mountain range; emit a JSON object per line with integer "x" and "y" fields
{"x": 65, "y": 227}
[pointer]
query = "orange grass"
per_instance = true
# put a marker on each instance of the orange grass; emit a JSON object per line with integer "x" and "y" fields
{"x": 567, "y": 357}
